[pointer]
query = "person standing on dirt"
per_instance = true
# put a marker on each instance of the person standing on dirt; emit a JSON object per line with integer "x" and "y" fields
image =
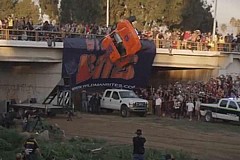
{"x": 138, "y": 146}
{"x": 69, "y": 115}
{"x": 158, "y": 105}
{"x": 190, "y": 107}
{"x": 93, "y": 103}
{"x": 98, "y": 103}
{"x": 197, "y": 109}
{"x": 84, "y": 99}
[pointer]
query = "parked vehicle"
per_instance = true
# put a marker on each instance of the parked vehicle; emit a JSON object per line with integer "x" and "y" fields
{"x": 227, "y": 109}
{"x": 125, "y": 101}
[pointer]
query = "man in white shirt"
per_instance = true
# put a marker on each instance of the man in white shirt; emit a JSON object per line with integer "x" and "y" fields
{"x": 158, "y": 105}
{"x": 190, "y": 107}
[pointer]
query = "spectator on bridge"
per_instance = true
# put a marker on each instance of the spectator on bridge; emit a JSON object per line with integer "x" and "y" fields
{"x": 22, "y": 23}
{"x": 10, "y": 22}
{"x": 45, "y": 26}
{"x": 1, "y": 25}
{"x": 51, "y": 40}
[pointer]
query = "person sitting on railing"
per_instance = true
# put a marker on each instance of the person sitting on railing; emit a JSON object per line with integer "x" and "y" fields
{"x": 51, "y": 40}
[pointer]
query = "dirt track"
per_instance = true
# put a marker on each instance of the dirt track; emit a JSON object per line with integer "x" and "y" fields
{"x": 160, "y": 133}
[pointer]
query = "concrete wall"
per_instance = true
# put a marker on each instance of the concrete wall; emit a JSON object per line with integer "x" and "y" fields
{"x": 22, "y": 81}
{"x": 30, "y": 54}
{"x": 186, "y": 59}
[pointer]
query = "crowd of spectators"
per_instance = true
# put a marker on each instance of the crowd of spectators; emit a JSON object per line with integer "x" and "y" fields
{"x": 175, "y": 98}
{"x": 164, "y": 38}
{"x": 194, "y": 40}
{"x": 11, "y": 22}
{"x": 176, "y": 95}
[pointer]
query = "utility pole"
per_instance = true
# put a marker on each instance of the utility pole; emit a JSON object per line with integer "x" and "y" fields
{"x": 107, "y": 14}
{"x": 214, "y": 20}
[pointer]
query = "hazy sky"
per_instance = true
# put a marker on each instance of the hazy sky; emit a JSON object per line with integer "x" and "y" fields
{"x": 226, "y": 9}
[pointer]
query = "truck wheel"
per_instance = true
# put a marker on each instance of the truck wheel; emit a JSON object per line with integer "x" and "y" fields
{"x": 125, "y": 112}
{"x": 208, "y": 117}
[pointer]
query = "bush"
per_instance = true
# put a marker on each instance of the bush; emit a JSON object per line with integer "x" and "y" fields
{"x": 77, "y": 148}
{"x": 12, "y": 137}
{"x": 4, "y": 145}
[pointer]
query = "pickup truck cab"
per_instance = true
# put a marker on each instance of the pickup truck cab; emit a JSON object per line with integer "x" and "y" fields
{"x": 125, "y": 101}
{"x": 226, "y": 109}
{"x": 121, "y": 43}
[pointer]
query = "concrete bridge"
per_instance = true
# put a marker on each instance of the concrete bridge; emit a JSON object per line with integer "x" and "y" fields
{"x": 31, "y": 68}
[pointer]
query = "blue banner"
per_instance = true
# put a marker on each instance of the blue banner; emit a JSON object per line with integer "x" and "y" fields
{"x": 87, "y": 65}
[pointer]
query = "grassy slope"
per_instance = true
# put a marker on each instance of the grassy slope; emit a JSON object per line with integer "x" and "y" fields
{"x": 80, "y": 149}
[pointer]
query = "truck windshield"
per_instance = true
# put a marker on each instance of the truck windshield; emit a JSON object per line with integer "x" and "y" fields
{"x": 128, "y": 94}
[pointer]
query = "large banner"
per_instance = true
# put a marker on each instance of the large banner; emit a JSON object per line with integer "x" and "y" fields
{"x": 87, "y": 65}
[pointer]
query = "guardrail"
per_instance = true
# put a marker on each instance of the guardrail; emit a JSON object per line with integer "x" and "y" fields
{"x": 198, "y": 46}
{"x": 35, "y": 35}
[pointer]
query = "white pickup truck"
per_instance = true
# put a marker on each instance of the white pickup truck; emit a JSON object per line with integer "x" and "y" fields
{"x": 227, "y": 109}
{"x": 125, "y": 101}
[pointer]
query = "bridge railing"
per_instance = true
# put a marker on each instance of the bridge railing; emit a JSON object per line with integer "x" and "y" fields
{"x": 35, "y": 35}
{"x": 39, "y": 35}
{"x": 198, "y": 46}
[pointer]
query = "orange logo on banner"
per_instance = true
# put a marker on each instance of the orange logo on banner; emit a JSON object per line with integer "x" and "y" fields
{"x": 94, "y": 67}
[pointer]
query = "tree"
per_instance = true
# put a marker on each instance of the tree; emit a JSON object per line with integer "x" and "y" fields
{"x": 7, "y": 7}
{"x": 196, "y": 14}
{"x": 223, "y": 28}
{"x": 50, "y": 8}
{"x": 233, "y": 22}
{"x": 181, "y": 14}
{"x": 80, "y": 11}
{"x": 27, "y": 8}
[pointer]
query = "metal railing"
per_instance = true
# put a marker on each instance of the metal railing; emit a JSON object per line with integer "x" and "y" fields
{"x": 39, "y": 35}
{"x": 198, "y": 46}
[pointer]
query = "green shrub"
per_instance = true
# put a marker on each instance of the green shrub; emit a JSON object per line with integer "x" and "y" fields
{"x": 4, "y": 145}
{"x": 78, "y": 149}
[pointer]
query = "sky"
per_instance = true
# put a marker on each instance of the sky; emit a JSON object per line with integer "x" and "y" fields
{"x": 226, "y": 9}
